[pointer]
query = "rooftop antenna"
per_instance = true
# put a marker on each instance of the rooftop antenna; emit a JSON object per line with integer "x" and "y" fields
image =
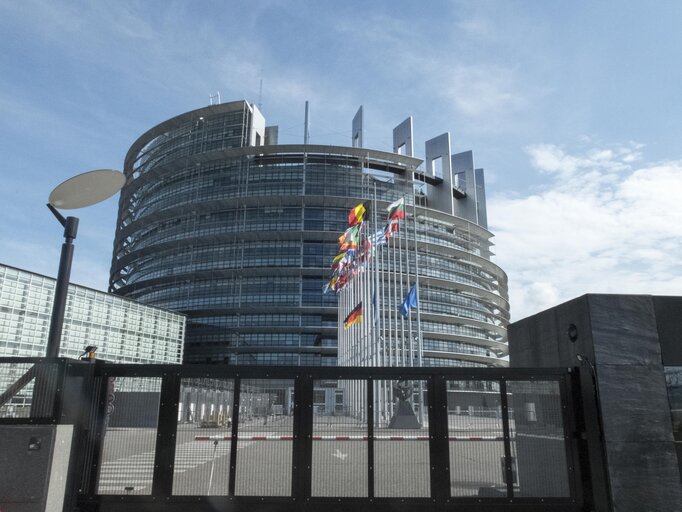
{"x": 306, "y": 128}
{"x": 260, "y": 95}
{"x": 212, "y": 97}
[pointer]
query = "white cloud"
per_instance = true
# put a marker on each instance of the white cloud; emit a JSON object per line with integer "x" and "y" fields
{"x": 602, "y": 225}
{"x": 481, "y": 92}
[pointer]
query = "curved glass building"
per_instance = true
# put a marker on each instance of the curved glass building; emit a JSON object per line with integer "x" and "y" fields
{"x": 221, "y": 223}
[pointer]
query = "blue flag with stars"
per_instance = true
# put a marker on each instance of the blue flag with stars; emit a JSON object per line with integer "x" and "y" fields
{"x": 410, "y": 301}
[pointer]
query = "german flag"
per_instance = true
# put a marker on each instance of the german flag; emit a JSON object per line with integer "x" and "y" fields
{"x": 356, "y": 214}
{"x": 354, "y": 317}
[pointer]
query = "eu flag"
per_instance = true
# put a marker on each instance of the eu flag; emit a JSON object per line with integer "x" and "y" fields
{"x": 410, "y": 301}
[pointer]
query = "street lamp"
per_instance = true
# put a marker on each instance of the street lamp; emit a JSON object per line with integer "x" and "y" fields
{"x": 78, "y": 192}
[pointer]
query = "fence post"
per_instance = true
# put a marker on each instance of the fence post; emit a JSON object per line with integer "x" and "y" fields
{"x": 303, "y": 419}
{"x": 439, "y": 451}
{"x": 236, "y": 400}
{"x": 508, "y": 471}
{"x": 370, "y": 437}
{"x": 164, "y": 458}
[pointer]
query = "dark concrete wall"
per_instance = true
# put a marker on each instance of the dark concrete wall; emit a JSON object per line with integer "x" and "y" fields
{"x": 620, "y": 336}
{"x": 668, "y": 312}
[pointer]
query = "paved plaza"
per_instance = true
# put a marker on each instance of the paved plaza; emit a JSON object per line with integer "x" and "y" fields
{"x": 339, "y": 459}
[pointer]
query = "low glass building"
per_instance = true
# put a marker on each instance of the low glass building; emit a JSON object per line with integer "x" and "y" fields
{"x": 123, "y": 330}
{"x": 220, "y": 222}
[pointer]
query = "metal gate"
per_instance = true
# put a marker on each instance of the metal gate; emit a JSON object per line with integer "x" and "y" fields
{"x": 194, "y": 437}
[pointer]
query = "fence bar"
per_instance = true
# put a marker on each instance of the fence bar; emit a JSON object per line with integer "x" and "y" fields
{"x": 570, "y": 431}
{"x": 370, "y": 437}
{"x": 436, "y": 387}
{"x": 236, "y": 398}
{"x": 303, "y": 442}
{"x": 164, "y": 459}
{"x": 508, "y": 472}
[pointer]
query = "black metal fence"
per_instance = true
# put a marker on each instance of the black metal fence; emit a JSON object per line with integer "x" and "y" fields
{"x": 152, "y": 437}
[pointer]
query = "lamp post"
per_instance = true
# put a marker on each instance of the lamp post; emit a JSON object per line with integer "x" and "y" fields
{"x": 83, "y": 190}
{"x": 62, "y": 286}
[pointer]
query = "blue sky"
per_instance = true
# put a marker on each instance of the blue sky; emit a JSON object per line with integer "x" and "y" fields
{"x": 574, "y": 109}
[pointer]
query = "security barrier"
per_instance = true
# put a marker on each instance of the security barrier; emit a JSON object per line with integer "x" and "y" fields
{"x": 166, "y": 437}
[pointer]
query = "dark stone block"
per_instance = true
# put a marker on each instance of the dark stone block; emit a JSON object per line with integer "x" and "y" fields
{"x": 644, "y": 477}
{"x": 669, "y": 324}
{"x": 619, "y": 334}
{"x": 575, "y": 312}
{"x": 542, "y": 340}
{"x": 533, "y": 341}
{"x": 518, "y": 351}
{"x": 624, "y": 329}
{"x": 544, "y": 332}
{"x": 634, "y": 403}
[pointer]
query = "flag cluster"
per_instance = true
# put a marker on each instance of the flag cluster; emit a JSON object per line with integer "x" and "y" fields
{"x": 356, "y": 246}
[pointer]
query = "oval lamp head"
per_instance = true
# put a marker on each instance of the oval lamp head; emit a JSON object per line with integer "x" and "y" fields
{"x": 87, "y": 189}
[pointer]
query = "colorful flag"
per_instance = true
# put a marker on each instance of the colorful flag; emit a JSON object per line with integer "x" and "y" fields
{"x": 390, "y": 228}
{"x": 341, "y": 281}
{"x": 339, "y": 257}
{"x": 410, "y": 301}
{"x": 396, "y": 210}
{"x": 356, "y": 214}
{"x": 354, "y": 317}
{"x": 365, "y": 251}
{"x": 352, "y": 233}
{"x": 342, "y": 259}
{"x": 331, "y": 285}
{"x": 349, "y": 245}
{"x": 378, "y": 238}
{"x": 350, "y": 239}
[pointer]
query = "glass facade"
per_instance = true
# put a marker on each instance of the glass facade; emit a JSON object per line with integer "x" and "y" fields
{"x": 122, "y": 330}
{"x": 239, "y": 236}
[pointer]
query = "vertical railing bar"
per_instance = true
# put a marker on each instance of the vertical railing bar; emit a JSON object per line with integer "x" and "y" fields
{"x": 58, "y": 391}
{"x": 79, "y": 416}
{"x": 235, "y": 433}
{"x": 569, "y": 441}
{"x": 509, "y": 474}
{"x": 166, "y": 430}
{"x": 370, "y": 438}
{"x": 44, "y": 398}
{"x": 301, "y": 474}
{"x": 439, "y": 451}
{"x": 97, "y": 432}
{"x": 306, "y": 435}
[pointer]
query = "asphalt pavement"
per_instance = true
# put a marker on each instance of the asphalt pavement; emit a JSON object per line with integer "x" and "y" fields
{"x": 339, "y": 459}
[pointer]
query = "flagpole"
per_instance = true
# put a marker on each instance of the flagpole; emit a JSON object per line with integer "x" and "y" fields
{"x": 409, "y": 311}
{"x": 385, "y": 348}
{"x": 392, "y": 320}
{"x": 401, "y": 240}
{"x": 390, "y": 283}
{"x": 420, "y": 344}
{"x": 378, "y": 394}
{"x": 359, "y": 281}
